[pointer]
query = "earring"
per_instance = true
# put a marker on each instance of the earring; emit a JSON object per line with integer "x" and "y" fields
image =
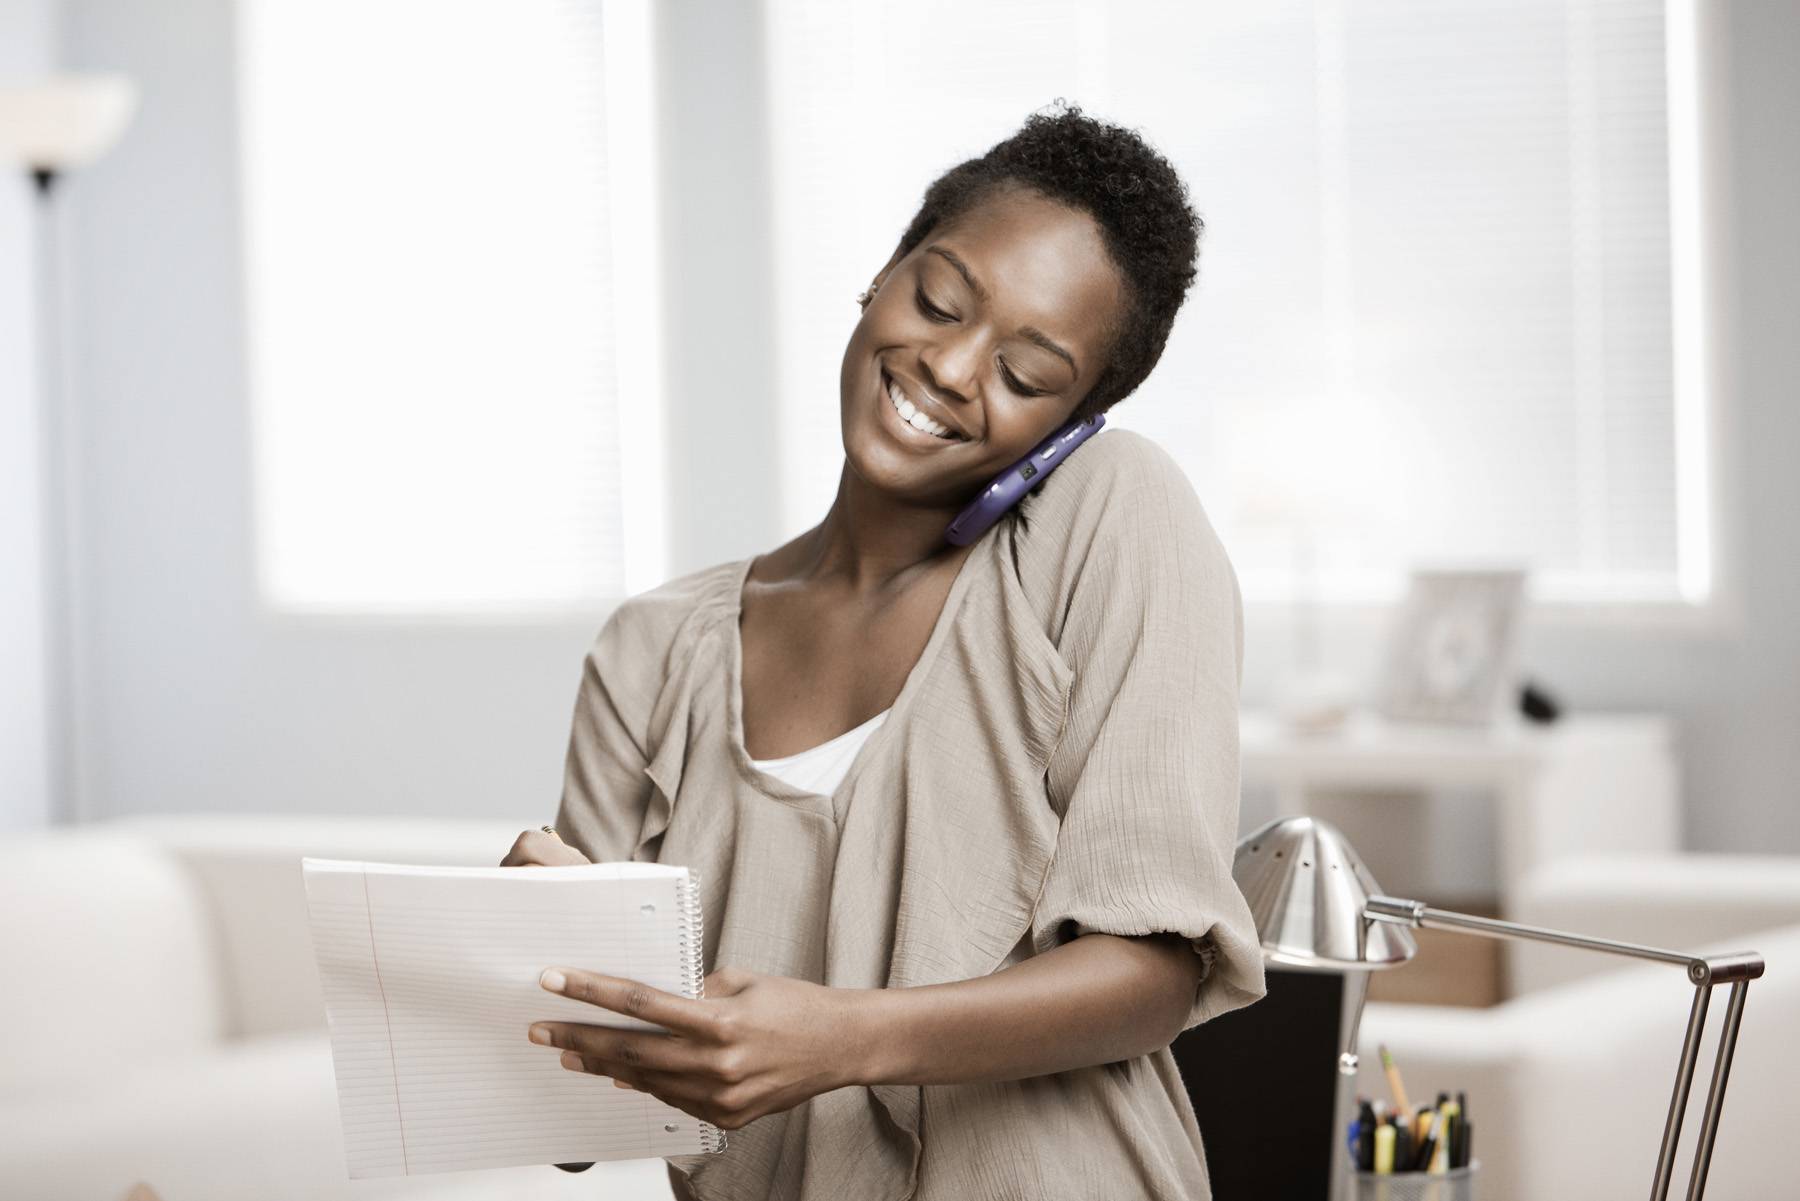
{"x": 867, "y": 295}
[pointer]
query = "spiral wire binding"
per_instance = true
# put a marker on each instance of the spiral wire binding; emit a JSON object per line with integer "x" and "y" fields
{"x": 691, "y": 939}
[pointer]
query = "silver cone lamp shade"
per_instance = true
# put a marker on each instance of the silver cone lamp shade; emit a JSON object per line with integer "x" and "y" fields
{"x": 1307, "y": 888}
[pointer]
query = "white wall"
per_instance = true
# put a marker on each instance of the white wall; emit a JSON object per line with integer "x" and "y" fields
{"x": 197, "y": 699}
{"x": 1736, "y": 693}
{"x": 26, "y": 42}
{"x": 200, "y": 702}
{"x": 1734, "y": 690}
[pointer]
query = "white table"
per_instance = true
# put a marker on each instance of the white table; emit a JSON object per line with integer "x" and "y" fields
{"x": 1587, "y": 783}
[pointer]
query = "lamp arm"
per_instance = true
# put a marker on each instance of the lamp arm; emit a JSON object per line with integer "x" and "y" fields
{"x": 1704, "y": 971}
{"x": 1716, "y": 969}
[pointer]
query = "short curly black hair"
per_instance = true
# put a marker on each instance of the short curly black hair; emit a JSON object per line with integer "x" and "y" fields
{"x": 1134, "y": 195}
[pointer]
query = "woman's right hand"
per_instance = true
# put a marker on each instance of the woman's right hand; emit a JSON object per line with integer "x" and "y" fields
{"x": 540, "y": 848}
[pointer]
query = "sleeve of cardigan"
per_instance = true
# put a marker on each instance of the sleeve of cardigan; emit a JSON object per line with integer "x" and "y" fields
{"x": 605, "y": 788}
{"x": 1146, "y": 773}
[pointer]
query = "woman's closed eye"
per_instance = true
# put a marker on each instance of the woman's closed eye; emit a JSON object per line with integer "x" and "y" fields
{"x": 931, "y": 310}
{"x": 933, "y": 313}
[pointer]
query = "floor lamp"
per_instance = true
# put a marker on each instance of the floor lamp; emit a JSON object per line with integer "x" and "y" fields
{"x": 1316, "y": 905}
{"x": 48, "y": 129}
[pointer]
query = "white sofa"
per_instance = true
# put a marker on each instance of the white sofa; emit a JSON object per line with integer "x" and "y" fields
{"x": 1569, "y": 1082}
{"x": 160, "y": 1022}
{"x": 160, "y": 1019}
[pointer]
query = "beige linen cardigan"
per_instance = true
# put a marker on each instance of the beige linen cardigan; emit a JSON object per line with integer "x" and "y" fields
{"x": 1062, "y": 759}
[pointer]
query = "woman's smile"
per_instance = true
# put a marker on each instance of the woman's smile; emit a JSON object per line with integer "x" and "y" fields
{"x": 909, "y": 418}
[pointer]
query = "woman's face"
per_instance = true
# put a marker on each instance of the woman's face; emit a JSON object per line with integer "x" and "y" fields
{"x": 994, "y": 328}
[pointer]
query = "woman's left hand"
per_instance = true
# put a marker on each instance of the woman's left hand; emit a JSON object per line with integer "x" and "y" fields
{"x": 754, "y": 1045}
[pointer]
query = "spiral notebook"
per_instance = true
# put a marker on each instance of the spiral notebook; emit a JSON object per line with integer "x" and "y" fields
{"x": 430, "y": 976}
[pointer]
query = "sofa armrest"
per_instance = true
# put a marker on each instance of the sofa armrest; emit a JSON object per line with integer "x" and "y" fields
{"x": 109, "y": 956}
{"x": 248, "y": 868}
{"x": 1679, "y": 901}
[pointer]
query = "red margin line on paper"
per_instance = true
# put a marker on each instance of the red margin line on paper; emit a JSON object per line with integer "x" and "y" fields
{"x": 393, "y": 1067}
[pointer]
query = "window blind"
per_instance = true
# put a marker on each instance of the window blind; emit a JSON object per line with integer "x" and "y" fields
{"x": 1433, "y": 321}
{"x": 436, "y": 421}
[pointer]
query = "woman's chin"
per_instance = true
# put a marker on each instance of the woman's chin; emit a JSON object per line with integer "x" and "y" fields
{"x": 893, "y": 470}
{"x": 882, "y": 465}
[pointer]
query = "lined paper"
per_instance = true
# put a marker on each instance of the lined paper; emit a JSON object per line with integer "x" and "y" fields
{"x": 430, "y": 976}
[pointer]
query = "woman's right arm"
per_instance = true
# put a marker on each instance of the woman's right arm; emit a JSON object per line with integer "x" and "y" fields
{"x": 606, "y": 790}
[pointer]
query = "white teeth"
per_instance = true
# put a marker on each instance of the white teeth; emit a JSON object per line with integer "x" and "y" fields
{"x": 911, "y": 414}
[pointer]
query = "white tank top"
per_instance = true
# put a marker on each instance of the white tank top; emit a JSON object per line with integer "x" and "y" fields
{"x": 823, "y": 768}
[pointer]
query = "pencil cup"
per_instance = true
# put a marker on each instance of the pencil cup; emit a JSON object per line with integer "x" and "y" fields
{"x": 1457, "y": 1185}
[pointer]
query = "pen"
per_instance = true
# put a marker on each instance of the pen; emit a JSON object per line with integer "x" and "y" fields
{"x": 1427, "y": 1147}
{"x": 1401, "y": 1104}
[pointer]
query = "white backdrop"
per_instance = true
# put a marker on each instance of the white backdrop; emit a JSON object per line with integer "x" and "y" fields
{"x": 201, "y": 703}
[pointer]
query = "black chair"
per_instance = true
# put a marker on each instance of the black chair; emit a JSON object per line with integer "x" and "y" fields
{"x": 1266, "y": 1092}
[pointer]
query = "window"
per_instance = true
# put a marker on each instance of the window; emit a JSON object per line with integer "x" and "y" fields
{"x": 451, "y": 307}
{"x": 1435, "y": 319}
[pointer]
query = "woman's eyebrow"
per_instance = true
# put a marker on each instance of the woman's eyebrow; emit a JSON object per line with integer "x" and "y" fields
{"x": 1030, "y": 332}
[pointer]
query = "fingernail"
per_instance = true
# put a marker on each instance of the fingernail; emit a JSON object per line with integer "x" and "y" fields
{"x": 552, "y": 980}
{"x": 540, "y": 1035}
{"x": 572, "y": 1061}
{"x": 623, "y": 1085}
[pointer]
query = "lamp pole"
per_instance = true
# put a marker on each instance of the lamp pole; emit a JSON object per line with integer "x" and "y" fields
{"x": 50, "y": 128}
{"x": 59, "y": 455}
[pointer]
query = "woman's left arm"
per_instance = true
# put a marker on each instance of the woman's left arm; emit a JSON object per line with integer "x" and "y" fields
{"x": 1095, "y": 999}
{"x": 761, "y": 1044}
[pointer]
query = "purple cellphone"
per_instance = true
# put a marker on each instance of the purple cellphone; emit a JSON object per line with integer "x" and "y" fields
{"x": 1011, "y": 485}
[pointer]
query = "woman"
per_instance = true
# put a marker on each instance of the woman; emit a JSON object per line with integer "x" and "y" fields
{"x": 951, "y": 959}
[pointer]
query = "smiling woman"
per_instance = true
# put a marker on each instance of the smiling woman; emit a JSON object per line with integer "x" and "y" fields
{"x": 956, "y": 974}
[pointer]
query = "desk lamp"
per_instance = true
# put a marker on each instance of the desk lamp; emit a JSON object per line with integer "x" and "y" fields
{"x": 1316, "y": 906}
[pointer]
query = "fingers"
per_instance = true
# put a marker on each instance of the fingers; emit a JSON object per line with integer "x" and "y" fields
{"x": 620, "y": 1053}
{"x": 680, "y": 1015}
{"x": 575, "y": 1063}
{"x": 539, "y": 848}
{"x": 727, "y": 1106}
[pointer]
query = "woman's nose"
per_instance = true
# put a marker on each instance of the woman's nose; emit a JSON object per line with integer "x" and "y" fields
{"x": 953, "y": 366}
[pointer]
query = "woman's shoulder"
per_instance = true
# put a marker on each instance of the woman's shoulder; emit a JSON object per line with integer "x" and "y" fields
{"x": 1120, "y": 486}
{"x": 1114, "y": 454}
{"x": 648, "y": 626}
{"x": 1118, "y": 527}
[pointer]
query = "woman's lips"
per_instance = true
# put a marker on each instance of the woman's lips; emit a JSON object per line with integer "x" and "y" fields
{"x": 907, "y": 430}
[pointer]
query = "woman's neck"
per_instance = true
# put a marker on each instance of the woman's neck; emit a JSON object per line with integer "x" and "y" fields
{"x": 870, "y": 543}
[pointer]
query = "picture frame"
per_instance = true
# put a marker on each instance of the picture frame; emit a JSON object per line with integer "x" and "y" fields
{"x": 1452, "y": 651}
